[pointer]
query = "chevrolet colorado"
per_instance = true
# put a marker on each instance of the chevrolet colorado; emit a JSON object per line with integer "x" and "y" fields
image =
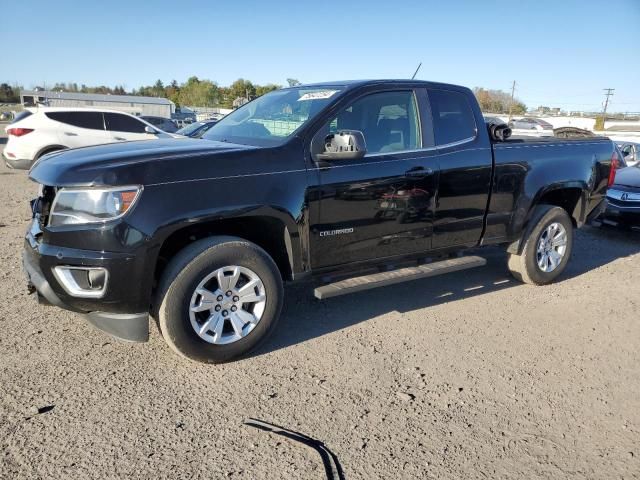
{"x": 354, "y": 184}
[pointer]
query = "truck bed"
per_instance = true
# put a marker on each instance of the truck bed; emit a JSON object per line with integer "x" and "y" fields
{"x": 549, "y": 140}
{"x": 528, "y": 169}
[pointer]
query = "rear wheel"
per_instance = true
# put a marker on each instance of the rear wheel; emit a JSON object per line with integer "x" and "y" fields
{"x": 547, "y": 248}
{"x": 219, "y": 298}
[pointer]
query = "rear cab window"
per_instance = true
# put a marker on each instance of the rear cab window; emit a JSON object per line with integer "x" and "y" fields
{"x": 89, "y": 120}
{"x": 453, "y": 118}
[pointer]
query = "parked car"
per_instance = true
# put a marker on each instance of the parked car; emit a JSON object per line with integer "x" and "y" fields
{"x": 183, "y": 115}
{"x": 328, "y": 182}
{"x": 164, "y": 124}
{"x": 623, "y": 199}
{"x": 49, "y": 129}
{"x": 531, "y": 126}
{"x": 494, "y": 120}
{"x": 181, "y": 123}
{"x": 197, "y": 129}
{"x": 630, "y": 152}
{"x": 622, "y": 162}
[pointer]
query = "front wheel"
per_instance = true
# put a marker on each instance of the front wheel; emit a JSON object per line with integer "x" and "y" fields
{"x": 547, "y": 249}
{"x": 219, "y": 298}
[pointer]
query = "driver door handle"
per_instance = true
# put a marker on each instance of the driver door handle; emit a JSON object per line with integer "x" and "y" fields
{"x": 418, "y": 172}
{"x": 70, "y": 134}
{"x": 120, "y": 139}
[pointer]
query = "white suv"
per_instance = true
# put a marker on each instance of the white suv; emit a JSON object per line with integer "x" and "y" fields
{"x": 47, "y": 129}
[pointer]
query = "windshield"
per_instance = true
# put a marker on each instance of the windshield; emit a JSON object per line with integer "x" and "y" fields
{"x": 273, "y": 118}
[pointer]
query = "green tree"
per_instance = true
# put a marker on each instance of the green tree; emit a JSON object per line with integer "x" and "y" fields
{"x": 8, "y": 94}
{"x": 293, "y": 82}
{"x": 198, "y": 93}
{"x": 158, "y": 89}
{"x": 497, "y": 101}
{"x": 242, "y": 88}
{"x": 172, "y": 92}
{"x": 262, "y": 89}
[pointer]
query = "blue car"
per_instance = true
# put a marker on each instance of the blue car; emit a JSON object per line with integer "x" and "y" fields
{"x": 196, "y": 129}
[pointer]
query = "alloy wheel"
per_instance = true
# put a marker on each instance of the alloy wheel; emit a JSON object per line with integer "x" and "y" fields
{"x": 227, "y": 305}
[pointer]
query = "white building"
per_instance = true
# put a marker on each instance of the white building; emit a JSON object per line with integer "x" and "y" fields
{"x": 135, "y": 105}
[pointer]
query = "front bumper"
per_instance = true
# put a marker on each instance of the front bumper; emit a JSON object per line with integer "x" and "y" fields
{"x": 117, "y": 314}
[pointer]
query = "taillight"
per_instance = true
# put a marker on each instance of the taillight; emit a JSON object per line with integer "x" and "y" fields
{"x": 614, "y": 166}
{"x": 18, "y": 132}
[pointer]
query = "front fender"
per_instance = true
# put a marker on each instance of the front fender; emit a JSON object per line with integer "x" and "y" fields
{"x": 165, "y": 209}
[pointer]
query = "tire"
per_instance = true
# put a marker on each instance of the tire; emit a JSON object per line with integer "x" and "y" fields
{"x": 526, "y": 267}
{"x": 177, "y": 291}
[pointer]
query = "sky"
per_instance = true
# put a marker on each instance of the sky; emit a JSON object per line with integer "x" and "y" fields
{"x": 560, "y": 53}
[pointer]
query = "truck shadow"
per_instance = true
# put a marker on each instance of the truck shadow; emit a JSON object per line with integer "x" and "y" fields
{"x": 305, "y": 318}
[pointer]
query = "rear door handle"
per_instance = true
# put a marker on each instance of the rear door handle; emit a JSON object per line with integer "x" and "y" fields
{"x": 120, "y": 139}
{"x": 70, "y": 134}
{"x": 418, "y": 172}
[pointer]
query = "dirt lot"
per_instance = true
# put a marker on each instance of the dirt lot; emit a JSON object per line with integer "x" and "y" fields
{"x": 470, "y": 375}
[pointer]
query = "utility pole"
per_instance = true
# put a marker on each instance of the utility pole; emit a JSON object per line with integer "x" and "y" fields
{"x": 606, "y": 103}
{"x": 513, "y": 91}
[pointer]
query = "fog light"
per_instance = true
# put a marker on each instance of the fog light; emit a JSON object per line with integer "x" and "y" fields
{"x": 85, "y": 282}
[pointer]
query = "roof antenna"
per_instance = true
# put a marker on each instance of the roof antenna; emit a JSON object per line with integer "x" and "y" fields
{"x": 416, "y": 72}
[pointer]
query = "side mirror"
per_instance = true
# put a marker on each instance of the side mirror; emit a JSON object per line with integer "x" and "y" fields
{"x": 151, "y": 130}
{"x": 343, "y": 145}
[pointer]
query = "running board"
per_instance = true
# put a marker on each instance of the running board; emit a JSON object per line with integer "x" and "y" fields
{"x": 374, "y": 280}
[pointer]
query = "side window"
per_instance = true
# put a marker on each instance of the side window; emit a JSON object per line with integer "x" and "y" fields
{"x": 452, "y": 116}
{"x": 117, "y": 122}
{"x": 627, "y": 150}
{"x": 90, "y": 120}
{"x": 388, "y": 121}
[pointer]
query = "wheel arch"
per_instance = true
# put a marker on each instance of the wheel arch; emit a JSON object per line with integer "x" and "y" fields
{"x": 270, "y": 232}
{"x": 570, "y": 196}
{"x": 48, "y": 149}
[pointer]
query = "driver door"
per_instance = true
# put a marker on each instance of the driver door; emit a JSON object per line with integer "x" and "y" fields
{"x": 381, "y": 205}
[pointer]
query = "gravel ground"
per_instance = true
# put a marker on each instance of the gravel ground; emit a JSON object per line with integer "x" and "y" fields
{"x": 469, "y": 375}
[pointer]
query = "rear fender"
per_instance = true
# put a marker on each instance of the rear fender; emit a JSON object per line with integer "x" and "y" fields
{"x": 563, "y": 195}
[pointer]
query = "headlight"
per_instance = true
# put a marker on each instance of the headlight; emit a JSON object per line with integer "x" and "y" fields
{"x": 74, "y": 206}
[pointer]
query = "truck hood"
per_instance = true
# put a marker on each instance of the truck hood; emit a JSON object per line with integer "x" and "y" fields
{"x": 628, "y": 177}
{"x": 140, "y": 163}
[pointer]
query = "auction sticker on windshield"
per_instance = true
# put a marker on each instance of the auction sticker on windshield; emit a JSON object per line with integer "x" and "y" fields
{"x": 320, "y": 95}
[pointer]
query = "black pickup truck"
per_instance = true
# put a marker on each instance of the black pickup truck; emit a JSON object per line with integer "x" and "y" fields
{"x": 351, "y": 184}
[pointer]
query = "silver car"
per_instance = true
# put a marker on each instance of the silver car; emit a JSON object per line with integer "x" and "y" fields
{"x": 630, "y": 152}
{"x": 532, "y": 125}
